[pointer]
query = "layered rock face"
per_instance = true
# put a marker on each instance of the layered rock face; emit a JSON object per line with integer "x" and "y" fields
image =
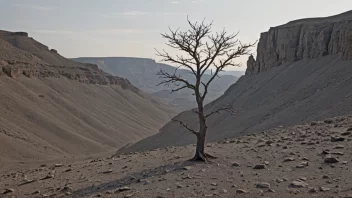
{"x": 303, "y": 39}
{"x": 22, "y": 55}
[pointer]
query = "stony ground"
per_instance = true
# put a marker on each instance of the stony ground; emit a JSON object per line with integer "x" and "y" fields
{"x": 311, "y": 160}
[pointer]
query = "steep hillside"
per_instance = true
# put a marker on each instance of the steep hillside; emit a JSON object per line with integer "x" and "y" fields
{"x": 142, "y": 73}
{"x": 70, "y": 109}
{"x": 302, "y": 72}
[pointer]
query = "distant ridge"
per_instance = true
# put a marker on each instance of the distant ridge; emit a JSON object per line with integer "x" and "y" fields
{"x": 142, "y": 73}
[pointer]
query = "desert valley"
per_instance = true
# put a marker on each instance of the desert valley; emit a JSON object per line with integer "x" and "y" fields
{"x": 96, "y": 126}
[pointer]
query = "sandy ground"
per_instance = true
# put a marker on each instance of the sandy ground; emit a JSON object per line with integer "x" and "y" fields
{"x": 311, "y": 160}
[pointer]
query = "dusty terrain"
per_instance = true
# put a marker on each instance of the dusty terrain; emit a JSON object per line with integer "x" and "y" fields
{"x": 310, "y": 160}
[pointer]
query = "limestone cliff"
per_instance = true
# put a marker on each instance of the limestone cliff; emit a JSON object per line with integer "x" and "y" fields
{"x": 303, "y": 39}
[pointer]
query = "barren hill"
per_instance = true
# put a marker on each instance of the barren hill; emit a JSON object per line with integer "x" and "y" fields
{"x": 302, "y": 72}
{"x": 142, "y": 73}
{"x": 53, "y": 107}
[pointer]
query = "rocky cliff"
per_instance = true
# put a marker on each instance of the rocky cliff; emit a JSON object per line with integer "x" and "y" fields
{"x": 303, "y": 39}
{"x": 22, "y": 55}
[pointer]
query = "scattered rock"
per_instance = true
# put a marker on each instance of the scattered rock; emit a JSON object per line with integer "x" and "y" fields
{"x": 130, "y": 195}
{"x": 300, "y": 166}
{"x": 312, "y": 190}
{"x": 26, "y": 181}
{"x": 337, "y": 139}
{"x": 298, "y": 184}
{"x": 289, "y": 159}
{"x": 235, "y": 164}
{"x": 324, "y": 189}
{"x": 259, "y": 166}
{"x": 313, "y": 123}
{"x": 124, "y": 188}
{"x": 107, "y": 171}
{"x": 271, "y": 190}
{"x": 48, "y": 177}
{"x": 241, "y": 191}
{"x": 347, "y": 133}
{"x": 36, "y": 192}
{"x": 302, "y": 179}
{"x": 328, "y": 121}
{"x": 263, "y": 185}
{"x": 330, "y": 160}
{"x": 339, "y": 147}
{"x": 8, "y": 190}
{"x": 187, "y": 168}
{"x": 337, "y": 153}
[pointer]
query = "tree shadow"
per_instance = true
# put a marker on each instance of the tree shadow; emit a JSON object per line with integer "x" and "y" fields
{"x": 137, "y": 177}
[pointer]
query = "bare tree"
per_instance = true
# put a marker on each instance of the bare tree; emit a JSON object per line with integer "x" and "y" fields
{"x": 200, "y": 50}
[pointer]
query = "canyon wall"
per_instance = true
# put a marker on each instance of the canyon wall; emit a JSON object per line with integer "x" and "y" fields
{"x": 303, "y": 39}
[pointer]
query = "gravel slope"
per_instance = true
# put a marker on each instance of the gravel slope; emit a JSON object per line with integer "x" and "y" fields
{"x": 310, "y": 160}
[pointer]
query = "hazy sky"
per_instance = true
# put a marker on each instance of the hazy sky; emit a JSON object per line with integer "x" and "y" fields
{"x": 132, "y": 27}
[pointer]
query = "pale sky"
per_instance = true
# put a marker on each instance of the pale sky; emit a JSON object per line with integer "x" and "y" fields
{"x": 131, "y": 28}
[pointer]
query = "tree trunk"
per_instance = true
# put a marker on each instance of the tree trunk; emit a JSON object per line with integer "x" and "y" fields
{"x": 200, "y": 154}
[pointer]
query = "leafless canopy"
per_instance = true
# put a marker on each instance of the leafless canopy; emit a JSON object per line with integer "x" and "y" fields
{"x": 202, "y": 51}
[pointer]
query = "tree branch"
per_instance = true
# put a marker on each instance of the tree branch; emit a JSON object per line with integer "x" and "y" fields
{"x": 185, "y": 126}
{"x": 173, "y": 79}
{"x": 227, "y": 108}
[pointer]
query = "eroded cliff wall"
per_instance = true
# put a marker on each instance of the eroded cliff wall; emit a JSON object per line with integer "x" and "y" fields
{"x": 303, "y": 39}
